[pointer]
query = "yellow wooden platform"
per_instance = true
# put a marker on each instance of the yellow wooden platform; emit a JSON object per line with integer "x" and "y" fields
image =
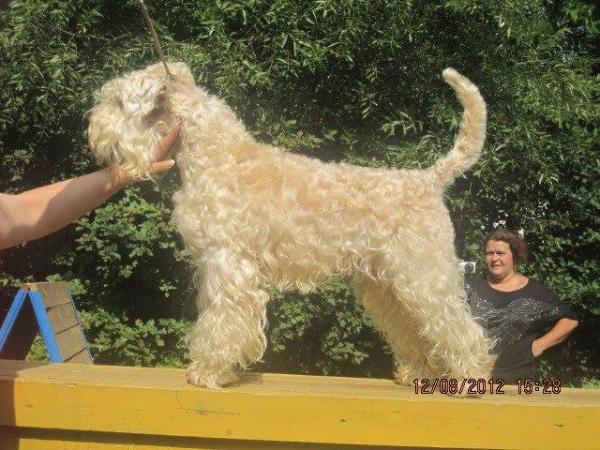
{"x": 71, "y": 406}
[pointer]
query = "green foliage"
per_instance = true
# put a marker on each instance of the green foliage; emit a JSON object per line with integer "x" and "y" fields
{"x": 353, "y": 80}
{"x": 38, "y": 351}
{"x": 115, "y": 340}
{"x": 327, "y": 331}
{"x": 130, "y": 269}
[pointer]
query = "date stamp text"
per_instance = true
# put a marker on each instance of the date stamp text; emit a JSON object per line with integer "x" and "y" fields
{"x": 481, "y": 386}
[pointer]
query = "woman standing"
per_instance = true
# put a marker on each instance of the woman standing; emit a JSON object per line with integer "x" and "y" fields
{"x": 524, "y": 316}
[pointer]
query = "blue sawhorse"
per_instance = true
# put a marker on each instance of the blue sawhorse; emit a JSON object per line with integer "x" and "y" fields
{"x": 57, "y": 318}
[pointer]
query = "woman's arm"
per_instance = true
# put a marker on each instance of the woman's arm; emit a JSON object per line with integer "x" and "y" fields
{"x": 561, "y": 330}
{"x": 41, "y": 211}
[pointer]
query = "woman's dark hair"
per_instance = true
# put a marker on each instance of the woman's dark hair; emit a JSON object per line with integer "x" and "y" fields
{"x": 517, "y": 244}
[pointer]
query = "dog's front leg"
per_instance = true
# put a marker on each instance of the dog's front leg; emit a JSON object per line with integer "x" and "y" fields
{"x": 229, "y": 333}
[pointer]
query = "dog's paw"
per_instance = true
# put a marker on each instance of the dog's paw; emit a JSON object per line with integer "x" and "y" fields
{"x": 201, "y": 378}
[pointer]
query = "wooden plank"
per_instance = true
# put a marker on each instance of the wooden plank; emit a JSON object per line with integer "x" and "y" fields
{"x": 290, "y": 409}
{"x": 32, "y": 439}
{"x": 62, "y": 317}
{"x": 54, "y": 293}
{"x": 70, "y": 342}
{"x": 63, "y": 320}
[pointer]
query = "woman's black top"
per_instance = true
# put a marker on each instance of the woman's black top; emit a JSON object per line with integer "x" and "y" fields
{"x": 515, "y": 319}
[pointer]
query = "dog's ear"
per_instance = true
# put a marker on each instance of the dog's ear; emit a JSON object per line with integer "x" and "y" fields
{"x": 105, "y": 130}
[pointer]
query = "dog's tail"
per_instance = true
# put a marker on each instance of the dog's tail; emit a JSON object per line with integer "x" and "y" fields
{"x": 470, "y": 138}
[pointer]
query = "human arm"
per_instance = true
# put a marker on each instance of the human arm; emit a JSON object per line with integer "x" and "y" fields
{"x": 41, "y": 211}
{"x": 561, "y": 330}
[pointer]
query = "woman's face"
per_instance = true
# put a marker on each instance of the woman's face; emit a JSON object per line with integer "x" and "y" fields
{"x": 499, "y": 259}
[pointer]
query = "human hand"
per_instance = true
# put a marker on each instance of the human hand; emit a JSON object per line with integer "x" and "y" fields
{"x": 537, "y": 348}
{"x": 164, "y": 146}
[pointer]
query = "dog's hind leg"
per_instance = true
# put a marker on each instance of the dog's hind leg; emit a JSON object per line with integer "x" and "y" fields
{"x": 436, "y": 302}
{"x": 229, "y": 333}
{"x": 397, "y": 327}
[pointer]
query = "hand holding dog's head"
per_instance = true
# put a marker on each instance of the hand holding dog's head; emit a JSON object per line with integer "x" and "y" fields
{"x": 131, "y": 116}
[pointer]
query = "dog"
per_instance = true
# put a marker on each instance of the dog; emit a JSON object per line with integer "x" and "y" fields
{"x": 254, "y": 217}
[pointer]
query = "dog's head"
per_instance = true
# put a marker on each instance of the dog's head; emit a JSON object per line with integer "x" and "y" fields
{"x": 131, "y": 115}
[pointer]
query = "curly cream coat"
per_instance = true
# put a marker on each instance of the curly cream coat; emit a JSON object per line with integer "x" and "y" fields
{"x": 255, "y": 217}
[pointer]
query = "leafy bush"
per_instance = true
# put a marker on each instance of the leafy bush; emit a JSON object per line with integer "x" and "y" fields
{"x": 326, "y": 331}
{"x": 113, "y": 340}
